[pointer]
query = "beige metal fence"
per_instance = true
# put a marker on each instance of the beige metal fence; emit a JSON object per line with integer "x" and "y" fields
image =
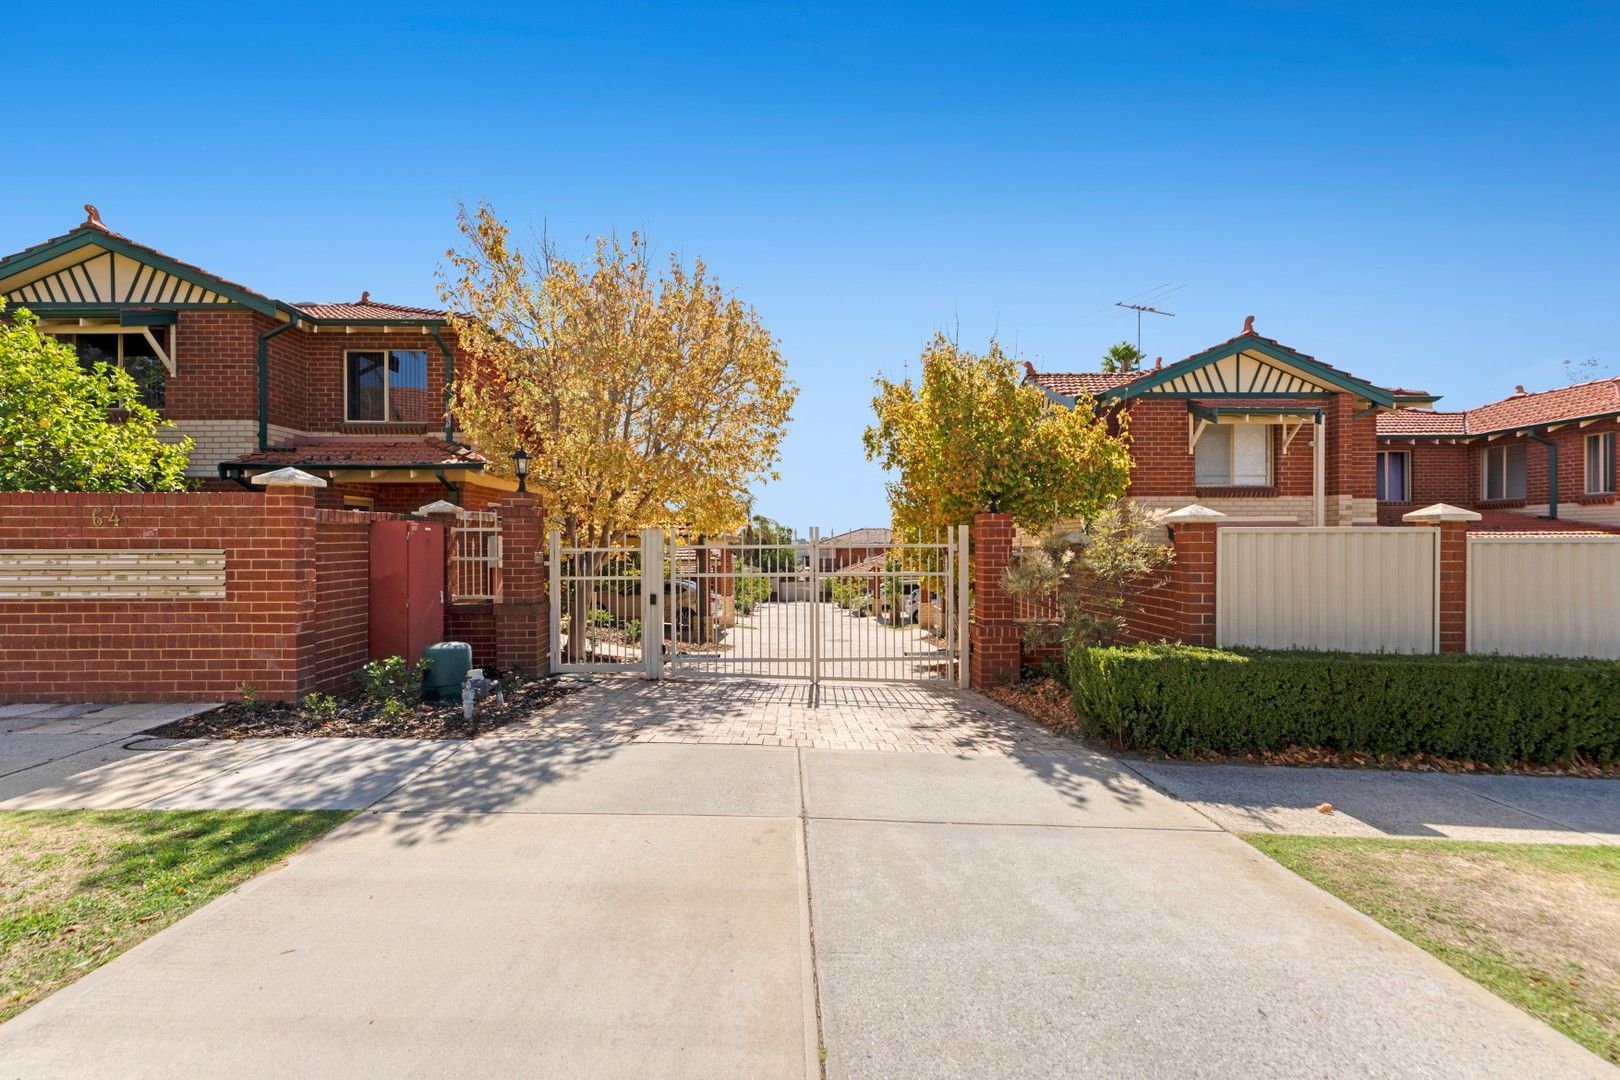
{"x": 1353, "y": 588}
{"x": 1544, "y": 595}
{"x": 474, "y": 556}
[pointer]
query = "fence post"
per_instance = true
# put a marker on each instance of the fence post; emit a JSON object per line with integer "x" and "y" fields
{"x": 1451, "y": 582}
{"x": 1192, "y": 532}
{"x": 522, "y": 616}
{"x": 652, "y": 601}
{"x": 996, "y": 642}
{"x": 447, "y": 514}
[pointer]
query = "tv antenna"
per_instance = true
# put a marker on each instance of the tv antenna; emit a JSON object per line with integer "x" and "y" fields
{"x": 1139, "y": 309}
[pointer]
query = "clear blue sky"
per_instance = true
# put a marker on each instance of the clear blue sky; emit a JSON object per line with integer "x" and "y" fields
{"x": 1425, "y": 195}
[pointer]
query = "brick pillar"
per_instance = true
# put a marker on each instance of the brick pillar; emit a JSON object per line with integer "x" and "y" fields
{"x": 1192, "y": 531}
{"x": 996, "y": 652}
{"x": 522, "y": 614}
{"x": 290, "y": 498}
{"x": 1452, "y": 521}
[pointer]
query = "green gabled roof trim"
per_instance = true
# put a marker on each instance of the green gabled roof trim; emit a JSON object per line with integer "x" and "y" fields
{"x": 1204, "y": 412}
{"x": 1250, "y": 343}
{"x": 86, "y": 236}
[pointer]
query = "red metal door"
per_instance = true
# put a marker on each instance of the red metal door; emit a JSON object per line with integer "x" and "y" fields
{"x": 407, "y": 588}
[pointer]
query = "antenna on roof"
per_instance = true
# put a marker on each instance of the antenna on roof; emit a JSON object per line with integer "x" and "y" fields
{"x": 1139, "y": 309}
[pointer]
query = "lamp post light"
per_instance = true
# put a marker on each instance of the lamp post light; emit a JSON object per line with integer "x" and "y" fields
{"x": 520, "y": 465}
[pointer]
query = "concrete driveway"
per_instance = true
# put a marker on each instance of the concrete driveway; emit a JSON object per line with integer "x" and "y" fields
{"x": 579, "y": 907}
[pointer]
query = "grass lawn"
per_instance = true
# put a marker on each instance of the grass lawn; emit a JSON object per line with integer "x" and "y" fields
{"x": 78, "y": 887}
{"x": 1537, "y": 924}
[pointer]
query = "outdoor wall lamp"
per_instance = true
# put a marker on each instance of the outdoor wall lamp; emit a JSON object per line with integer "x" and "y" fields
{"x": 520, "y": 465}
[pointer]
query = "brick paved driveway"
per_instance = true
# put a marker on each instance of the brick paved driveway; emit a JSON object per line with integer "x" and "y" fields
{"x": 870, "y": 716}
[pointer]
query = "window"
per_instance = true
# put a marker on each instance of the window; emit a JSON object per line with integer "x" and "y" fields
{"x": 1394, "y": 476}
{"x": 1501, "y": 472}
{"x": 389, "y": 384}
{"x": 132, "y": 349}
{"x": 1233, "y": 455}
{"x": 1600, "y": 464}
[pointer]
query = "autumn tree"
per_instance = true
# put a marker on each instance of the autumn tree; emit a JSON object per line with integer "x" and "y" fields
{"x": 971, "y": 437}
{"x": 1122, "y": 357}
{"x": 66, "y": 428}
{"x": 641, "y": 397}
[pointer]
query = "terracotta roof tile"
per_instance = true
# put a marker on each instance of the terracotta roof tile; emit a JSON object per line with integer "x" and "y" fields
{"x": 1068, "y": 384}
{"x": 1420, "y": 422}
{"x": 1564, "y": 403}
{"x": 339, "y": 453}
{"x": 1518, "y": 411}
{"x": 369, "y": 310}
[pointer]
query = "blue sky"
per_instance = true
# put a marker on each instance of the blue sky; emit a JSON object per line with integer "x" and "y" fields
{"x": 1424, "y": 195}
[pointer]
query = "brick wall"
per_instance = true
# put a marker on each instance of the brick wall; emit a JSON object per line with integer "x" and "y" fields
{"x": 296, "y": 580}
{"x": 336, "y": 639}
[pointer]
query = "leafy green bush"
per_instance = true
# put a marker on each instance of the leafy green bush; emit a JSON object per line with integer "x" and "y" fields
{"x": 749, "y": 591}
{"x": 392, "y": 682}
{"x": 1179, "y": 700}
{"x": 599, "y": 617}
{"x": 632, "y": 630}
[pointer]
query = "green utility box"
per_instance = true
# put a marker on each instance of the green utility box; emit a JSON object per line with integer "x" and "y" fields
{"x": 451, "y": 660}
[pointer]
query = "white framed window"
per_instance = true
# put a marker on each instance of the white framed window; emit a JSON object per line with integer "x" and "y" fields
{"x": 1502, "y": 472}
{"x": 143, "y": 351}
{"x": 1233, "y": 455}
{"x": 381, "y": 385}
{"x": 1600, "y": 464}
{"x": 1394, "y": 476}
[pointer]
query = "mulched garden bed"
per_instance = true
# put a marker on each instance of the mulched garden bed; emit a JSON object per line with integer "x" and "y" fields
{"x": 357, "y": 718}
{"x": 1046, "y": 701}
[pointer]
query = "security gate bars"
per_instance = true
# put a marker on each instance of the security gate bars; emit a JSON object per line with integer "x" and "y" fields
{"x": 842, "y": 610}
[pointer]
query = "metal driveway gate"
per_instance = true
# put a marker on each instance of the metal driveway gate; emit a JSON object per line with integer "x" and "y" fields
{"x": 811, "y": 610}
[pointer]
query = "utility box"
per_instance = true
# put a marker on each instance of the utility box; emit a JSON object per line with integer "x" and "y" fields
{"x": 407, "y": 588}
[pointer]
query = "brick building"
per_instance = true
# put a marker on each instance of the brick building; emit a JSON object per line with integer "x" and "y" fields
{"x": 1250, "y": 427}
{"x": 1270, "y": 436}
{"x": 356, "y": 393}
{"x": 1538, "y": 461}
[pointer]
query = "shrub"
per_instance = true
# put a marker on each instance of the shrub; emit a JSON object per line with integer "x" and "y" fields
{"x": 750, "y": 590}
{"x": 324, "y": 706}
{"x": 393, "y": 681}
{"x": 1180, "y": 700}
{"x": 599, "y": 617}
{"x": 632, "y": 631}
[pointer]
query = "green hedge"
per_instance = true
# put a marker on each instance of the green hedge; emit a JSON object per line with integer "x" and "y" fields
{"x": 1180, "y": 700}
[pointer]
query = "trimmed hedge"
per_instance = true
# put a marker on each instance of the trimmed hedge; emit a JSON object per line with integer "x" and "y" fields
{"x": 1179, "y": 700}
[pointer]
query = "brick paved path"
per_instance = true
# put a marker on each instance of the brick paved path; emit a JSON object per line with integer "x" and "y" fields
{"x": 749, "y": 712}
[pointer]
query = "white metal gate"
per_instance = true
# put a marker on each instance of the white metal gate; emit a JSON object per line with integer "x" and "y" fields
{"x": 811, "y": 610}
{"x": 605, "y": 614}
{"x": 1355, "y": 588}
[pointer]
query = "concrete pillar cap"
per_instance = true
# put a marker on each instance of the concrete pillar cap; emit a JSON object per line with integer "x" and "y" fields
{"x": 1441, "y": 512}
{"x": 288, "y": 477}
{"x": 442, "y": 506}
{"x": 1193, "y": 513}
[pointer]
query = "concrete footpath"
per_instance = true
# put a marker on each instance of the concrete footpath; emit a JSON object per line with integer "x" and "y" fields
{"x": 529, "y": 907}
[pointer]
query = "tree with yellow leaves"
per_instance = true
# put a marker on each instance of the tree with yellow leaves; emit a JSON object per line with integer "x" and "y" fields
{"x": 641, "y": 398}
{"x": 973, "y": 438}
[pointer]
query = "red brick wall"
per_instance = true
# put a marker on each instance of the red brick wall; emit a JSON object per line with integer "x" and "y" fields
{"x": 336, "y": 639}
{"x": 323, "y": 390}
{"x": 1352, "y": 445}
{"x": 1451, "y": 473}
{"x": 1162, "y": 466}
{"x": 216, "y": 366}
{"x": 474, "y": 624}
{"x": 296, "y": 580}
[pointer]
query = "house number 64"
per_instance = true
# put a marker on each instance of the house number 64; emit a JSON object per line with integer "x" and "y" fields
{"x": 107, "y": 520}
